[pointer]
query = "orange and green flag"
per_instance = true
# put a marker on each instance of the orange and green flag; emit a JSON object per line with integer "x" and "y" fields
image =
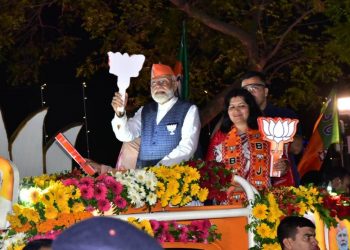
{"x": 326, "y": 132}
{"x": 181, "y": 66}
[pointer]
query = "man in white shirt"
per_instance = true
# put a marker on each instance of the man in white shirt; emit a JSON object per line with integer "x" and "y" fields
{"x": 169, "y": 128}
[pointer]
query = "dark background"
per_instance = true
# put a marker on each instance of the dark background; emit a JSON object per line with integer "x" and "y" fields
{"x": 65, "y": 101}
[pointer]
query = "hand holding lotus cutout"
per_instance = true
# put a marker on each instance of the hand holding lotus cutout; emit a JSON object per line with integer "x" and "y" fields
{"x": 124, "y": 66}
{"x": 277, "y": 131}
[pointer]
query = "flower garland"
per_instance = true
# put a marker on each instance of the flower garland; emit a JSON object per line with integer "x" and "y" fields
{"x": 215, "y": 177}
{"x": 276, "y": 203}
{"x": 46, "y": 204}
{"x": 102, "y": 193}
{"x": 140, "y": 185}
{"x": 171, "y": 231}
{"x": 178, "y": 185}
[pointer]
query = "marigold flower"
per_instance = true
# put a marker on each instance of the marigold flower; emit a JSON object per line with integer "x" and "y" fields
{"x": 260, "y": 211}
{"x": 264, "y": 230}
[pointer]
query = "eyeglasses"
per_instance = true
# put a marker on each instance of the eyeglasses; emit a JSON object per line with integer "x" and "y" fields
{"x": 254, "y": 87}
{"x": 160, "y": 81}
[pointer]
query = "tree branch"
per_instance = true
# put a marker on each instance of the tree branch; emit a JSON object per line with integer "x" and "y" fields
{"x": 284, "y": 35}
{"x": 283, "y": 60}
{"x": 244, "y": 37}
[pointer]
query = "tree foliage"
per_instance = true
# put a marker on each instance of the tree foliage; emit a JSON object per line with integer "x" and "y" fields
{"x": 301, "y": 45}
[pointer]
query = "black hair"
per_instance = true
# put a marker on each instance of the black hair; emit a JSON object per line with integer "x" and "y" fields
{"x": 37, "y": 244}
{"x": 251, "y": 74}
{"x": 288, "y": 227}
{"x": 336, "y": 172}
{"x": 313, "y": 176}
{"x": 254, "y": 110}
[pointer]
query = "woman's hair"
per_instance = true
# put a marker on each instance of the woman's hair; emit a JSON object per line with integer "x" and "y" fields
{"x": 254, "y": 110}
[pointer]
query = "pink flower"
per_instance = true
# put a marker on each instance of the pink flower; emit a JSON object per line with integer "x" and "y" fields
{"x": 89, "y": 208}
{"x": 116, "y": 187}
{"x": 108, "y": 180}
{"x": 71, "y": 181}
{"x": 164, "y": 225}
{"x": 51, "y": 235}
{"x": 120, "y": 202}
{"x": 88, "y": 181}
{"x": 100, "y": 191}
{"x": 154, "y": 224}
{"x": 103, "y": 205}
{"x": 86, "y": 192}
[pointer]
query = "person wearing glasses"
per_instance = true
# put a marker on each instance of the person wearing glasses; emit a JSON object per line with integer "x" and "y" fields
{"x": 255, "y": 83}
{"x": 168, "y": 127}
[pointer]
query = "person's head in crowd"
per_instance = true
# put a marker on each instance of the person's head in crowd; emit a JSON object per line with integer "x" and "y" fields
{"x": 240, "y": 107}
{"x": 104, "y": 233}
{"x": 255, "y": 83}
{"x": 40, "y": 244}
{"x": 297, "y": 233}
{"x": 163, "y": 83}
{"x": 312, "y": 177}
{"x": 339, "y": 178}
{"x": 342, "y": 237}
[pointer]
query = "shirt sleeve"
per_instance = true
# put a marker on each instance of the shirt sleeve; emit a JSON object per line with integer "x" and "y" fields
{"x": 189, "y": 139}
{"x": 127, "y": 129}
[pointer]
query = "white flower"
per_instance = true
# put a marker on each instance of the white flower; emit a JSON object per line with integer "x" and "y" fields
{"x": 151, "y": 198}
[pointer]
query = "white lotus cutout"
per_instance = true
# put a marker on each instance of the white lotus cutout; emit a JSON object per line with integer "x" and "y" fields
{"x": 125, "y": 67}
{"x": 277, "y": 131}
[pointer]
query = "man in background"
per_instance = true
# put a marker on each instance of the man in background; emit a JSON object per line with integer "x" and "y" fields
{"x": 297, "y": 233}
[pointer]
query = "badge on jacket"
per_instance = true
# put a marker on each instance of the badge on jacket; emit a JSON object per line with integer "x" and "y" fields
{"x": 171, "y": 127}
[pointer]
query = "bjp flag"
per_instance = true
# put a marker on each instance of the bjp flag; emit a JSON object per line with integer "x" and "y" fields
{"x": 181, "y": 67}
{"x": 326, "y": 132}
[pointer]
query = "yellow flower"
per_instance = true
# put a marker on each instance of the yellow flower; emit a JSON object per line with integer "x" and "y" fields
{"x": 274, "y": 213}
{"x": 17, "y": 209}
{"x": 176, "y": 200}
{"x": 194, "y": 189}
{"x": 193, "y": 173}
{"x": 173, "y": 187}
{"x": 78, "y": 207}
{"x": 160, "y": 189}
{"x": 303, "y": 208}
{"x": 203, "y": 194}
{"x": 47, "y": 198}
{"x": 147, "y": 227}
{"x": 264, "y": 230}
{"x": 164, "y": 201}
{"x": 32, "y": 215}
{"x": 14, "y": 221}
{"x": 260, "y": 211}
{"x": 274, "y": 246}
{"x": 34, "y": 195}
{"x": 185, "y": 188}
{"x": 51, "y": 212}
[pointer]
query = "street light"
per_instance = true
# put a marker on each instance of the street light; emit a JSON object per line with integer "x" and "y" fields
{"x": 344, "y": 105}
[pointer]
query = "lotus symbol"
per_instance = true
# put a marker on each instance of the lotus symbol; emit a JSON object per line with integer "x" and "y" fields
{"x": 277, "y": 131}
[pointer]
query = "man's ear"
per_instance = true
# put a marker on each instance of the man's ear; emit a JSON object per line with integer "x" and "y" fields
{"x": 287, "y": 243}
{"x": 266, "y": 91}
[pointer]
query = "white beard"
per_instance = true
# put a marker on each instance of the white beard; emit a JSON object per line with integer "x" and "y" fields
{"x": 163, "y": 97}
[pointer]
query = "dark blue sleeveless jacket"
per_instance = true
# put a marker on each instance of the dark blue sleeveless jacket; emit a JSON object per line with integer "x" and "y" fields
{"x": 159, "y": 140}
